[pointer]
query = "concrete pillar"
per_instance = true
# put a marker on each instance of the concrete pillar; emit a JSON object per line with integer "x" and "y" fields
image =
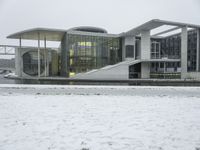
{"x": 47, "y": 51}
{"x": 45, "y": 57}
{"x": 198, "y": 50}
{"x": 18, "y": 59}
{"x": 18, "y": 65}
{"x": 145, "y": 53}
{"x": 38, "y": 54}
{"x": 145, "y": 44}
{"x": 145, "y": 70}
{"x": 184, "y": 45}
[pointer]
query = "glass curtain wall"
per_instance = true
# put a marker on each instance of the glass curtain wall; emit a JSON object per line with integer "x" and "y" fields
{"x": 192, "y": 50}
{"x": 30, "y": 63}
{"x": 171, "y": 47}
{"x": 155, "y": 50}
{"x": 91, "y": 52}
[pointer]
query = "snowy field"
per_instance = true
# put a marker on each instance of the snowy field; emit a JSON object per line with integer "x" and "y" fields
{"x": 46, "y": 117}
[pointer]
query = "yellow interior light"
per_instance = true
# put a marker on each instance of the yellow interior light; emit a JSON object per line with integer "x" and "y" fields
{"x": 71, "y": 74}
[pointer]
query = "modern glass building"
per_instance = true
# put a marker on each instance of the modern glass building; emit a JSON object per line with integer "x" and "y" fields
{"x": 87, "y": 52}
{"x": 92, "y": 53}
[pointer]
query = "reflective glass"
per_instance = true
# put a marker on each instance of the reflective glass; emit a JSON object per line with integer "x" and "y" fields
{"x": 91, "y": 52}
{"x": 30, "y": 63}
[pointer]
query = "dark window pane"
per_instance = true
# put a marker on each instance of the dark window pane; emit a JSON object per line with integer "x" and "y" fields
{"x": 129, "y": 50}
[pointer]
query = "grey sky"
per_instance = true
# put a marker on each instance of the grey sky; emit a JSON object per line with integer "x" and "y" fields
{"x": 116, "y": 16}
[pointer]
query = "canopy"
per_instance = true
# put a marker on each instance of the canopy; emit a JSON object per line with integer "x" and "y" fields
{"x": 39, "y": 33}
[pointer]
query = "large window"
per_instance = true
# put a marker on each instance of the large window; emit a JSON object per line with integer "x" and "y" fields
{"x": 90, "y": 52}
{"x": 155, "y": 50}
{"x": 171, "y": 47}
{"x": 129, "y": 51}
{"x": 30, "y": 63}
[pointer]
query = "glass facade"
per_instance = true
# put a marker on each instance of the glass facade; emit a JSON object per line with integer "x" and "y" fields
{"x": 192, "y": 50}
{"x": 83, "y": 52}
{"x": 171, "y": 47}
{"x": 30, "y": 63}
{"x": 155, "y": 50}
{"x": 91, "y": 52}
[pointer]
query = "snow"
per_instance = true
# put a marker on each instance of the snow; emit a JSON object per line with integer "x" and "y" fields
{"x": 52, "y": 117}
{"x": 10, "y": 75}
{"x": 7, "y": 56}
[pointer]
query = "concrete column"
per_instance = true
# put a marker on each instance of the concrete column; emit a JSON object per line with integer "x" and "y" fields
{"x": 47, "y": 62}
{"x": 145, "y": 70}
{"x": 145, "y": 44}
{"x": 18, "y": 59}
{"x": 18, "y": 66}
{"x": 145, "y": 53}
{"x": 45, "y": 56}
{"x": 198, "y": 50}
{"x": 184, "y": 45}
{"x": 38, "y": 54}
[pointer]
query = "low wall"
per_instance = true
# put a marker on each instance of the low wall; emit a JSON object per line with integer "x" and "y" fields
{"x": 192, "y": 75}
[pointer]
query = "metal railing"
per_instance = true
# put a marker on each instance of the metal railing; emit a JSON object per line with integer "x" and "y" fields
{"x": 7, "y": 50}
{"x": 165, "y": 75}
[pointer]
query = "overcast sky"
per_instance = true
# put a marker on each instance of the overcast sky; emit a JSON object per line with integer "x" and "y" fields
{"x": 115, "y": 16}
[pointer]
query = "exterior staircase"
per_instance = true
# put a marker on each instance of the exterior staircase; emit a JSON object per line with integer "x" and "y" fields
{"x": 119, "y": 71}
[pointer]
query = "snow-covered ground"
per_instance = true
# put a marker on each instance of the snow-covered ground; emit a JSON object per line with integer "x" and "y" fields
{"x": 47, "y": 117}
{"x": 7, "y": 56}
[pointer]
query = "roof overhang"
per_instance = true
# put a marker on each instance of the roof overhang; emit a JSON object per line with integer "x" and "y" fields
{"x": 155, "y": 24}
{"x": 92, "y": 34}
{"x": 39, "y": 33}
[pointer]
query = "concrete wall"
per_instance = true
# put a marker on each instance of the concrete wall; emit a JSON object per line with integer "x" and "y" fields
{"x": 184, "y": 41}
{"x": 145, "y": 53}
{"x": 192, "y": 75}
{"x": 120, "y": 72}
{"x": 129, "y": 40}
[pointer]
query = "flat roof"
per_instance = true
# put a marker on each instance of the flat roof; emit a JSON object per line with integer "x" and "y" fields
{"x": 152, "y": 24}
{"x": 53, "y": 34}
{"x": 57, "y": 34}
{"x": 89, "y": 29}
{"x": 92, "y": 34}
{"x": 32, "y": 34}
